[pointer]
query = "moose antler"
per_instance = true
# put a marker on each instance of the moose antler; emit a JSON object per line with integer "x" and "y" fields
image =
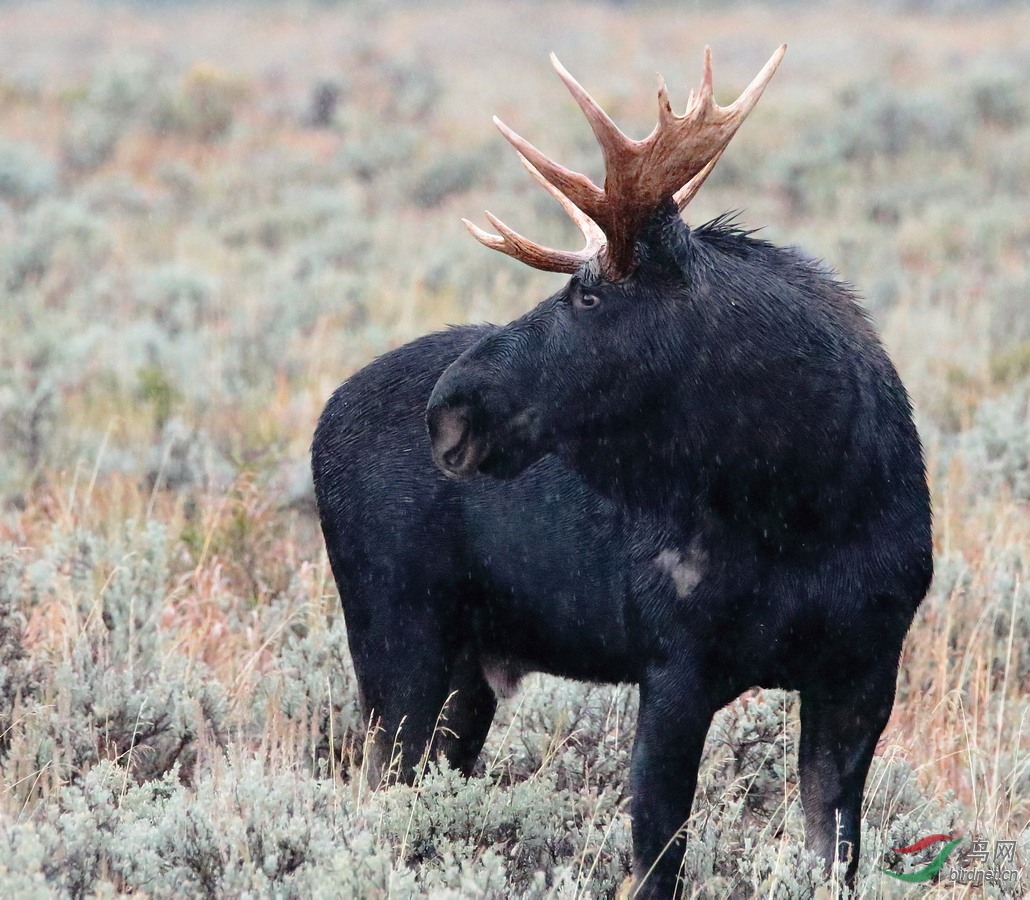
{"x": 533, "y": 254}
{"x": 673, "y": 161}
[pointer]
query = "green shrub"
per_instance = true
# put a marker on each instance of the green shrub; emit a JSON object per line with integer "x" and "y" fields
{"x": 25, "y": 175}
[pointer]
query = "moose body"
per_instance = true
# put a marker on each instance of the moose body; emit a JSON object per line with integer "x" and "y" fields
{"x": 766, "y": 518}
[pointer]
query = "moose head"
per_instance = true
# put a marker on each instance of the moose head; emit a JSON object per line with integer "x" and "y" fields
{"x": 573, "y": 375}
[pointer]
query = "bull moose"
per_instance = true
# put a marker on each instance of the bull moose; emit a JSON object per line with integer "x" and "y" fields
{"x": 693, "y": 468}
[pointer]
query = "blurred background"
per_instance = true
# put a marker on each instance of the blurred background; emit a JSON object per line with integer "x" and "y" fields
{"x": 213, "y": 213}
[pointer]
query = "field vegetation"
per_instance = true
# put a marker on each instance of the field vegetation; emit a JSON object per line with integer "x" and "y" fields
{"x": 211, "y": 214}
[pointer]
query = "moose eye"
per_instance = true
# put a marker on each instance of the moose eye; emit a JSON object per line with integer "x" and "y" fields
{"x": 586, "y": 301}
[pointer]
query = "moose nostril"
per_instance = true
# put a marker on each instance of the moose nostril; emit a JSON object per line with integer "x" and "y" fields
{"x": 449, "y": 433}
{"x": 451, "y": 438}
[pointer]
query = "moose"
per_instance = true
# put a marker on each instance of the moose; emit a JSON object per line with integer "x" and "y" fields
{"x": 693, "y": 468}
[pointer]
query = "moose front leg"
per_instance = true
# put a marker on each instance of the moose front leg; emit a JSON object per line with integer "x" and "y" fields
{"x": 671, "y": 728}
{"x": 839, "y": 731}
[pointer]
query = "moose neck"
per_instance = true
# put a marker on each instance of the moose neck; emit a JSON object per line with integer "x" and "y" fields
{"x": 751, "y": 390}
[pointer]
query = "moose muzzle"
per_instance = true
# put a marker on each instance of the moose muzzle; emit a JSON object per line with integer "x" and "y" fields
{"x": 457, "y": 451}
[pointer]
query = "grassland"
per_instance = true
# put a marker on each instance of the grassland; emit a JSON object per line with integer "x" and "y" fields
{"x": 210, "y": 215}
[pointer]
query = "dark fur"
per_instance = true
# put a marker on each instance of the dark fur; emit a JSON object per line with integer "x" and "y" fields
{"x": 731, "y": 398}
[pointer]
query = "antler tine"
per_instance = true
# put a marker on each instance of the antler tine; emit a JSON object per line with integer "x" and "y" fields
{"x": 578, "y": 188}
{"x": 704, "y": 99}
{"x": 512, "y": 244}
{"x": 609, "y": 136}
{"x": 753, "y": 92}
{"x": 590, "y": 229}
{"x": 665, "y": 113}
{"x": 689, "y": 191}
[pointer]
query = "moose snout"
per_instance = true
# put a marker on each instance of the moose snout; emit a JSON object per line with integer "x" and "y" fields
{"x": 457, "y": 452}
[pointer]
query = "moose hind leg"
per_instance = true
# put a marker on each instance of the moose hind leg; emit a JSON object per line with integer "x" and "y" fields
{"x": 469, "y": 713}
{"x": 839, "y": 731}
{"x": 404, "y": 675}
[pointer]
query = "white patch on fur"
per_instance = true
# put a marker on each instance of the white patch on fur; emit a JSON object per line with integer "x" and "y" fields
{"x": 685, "y": 569}
{"x": 503, "y": 676}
